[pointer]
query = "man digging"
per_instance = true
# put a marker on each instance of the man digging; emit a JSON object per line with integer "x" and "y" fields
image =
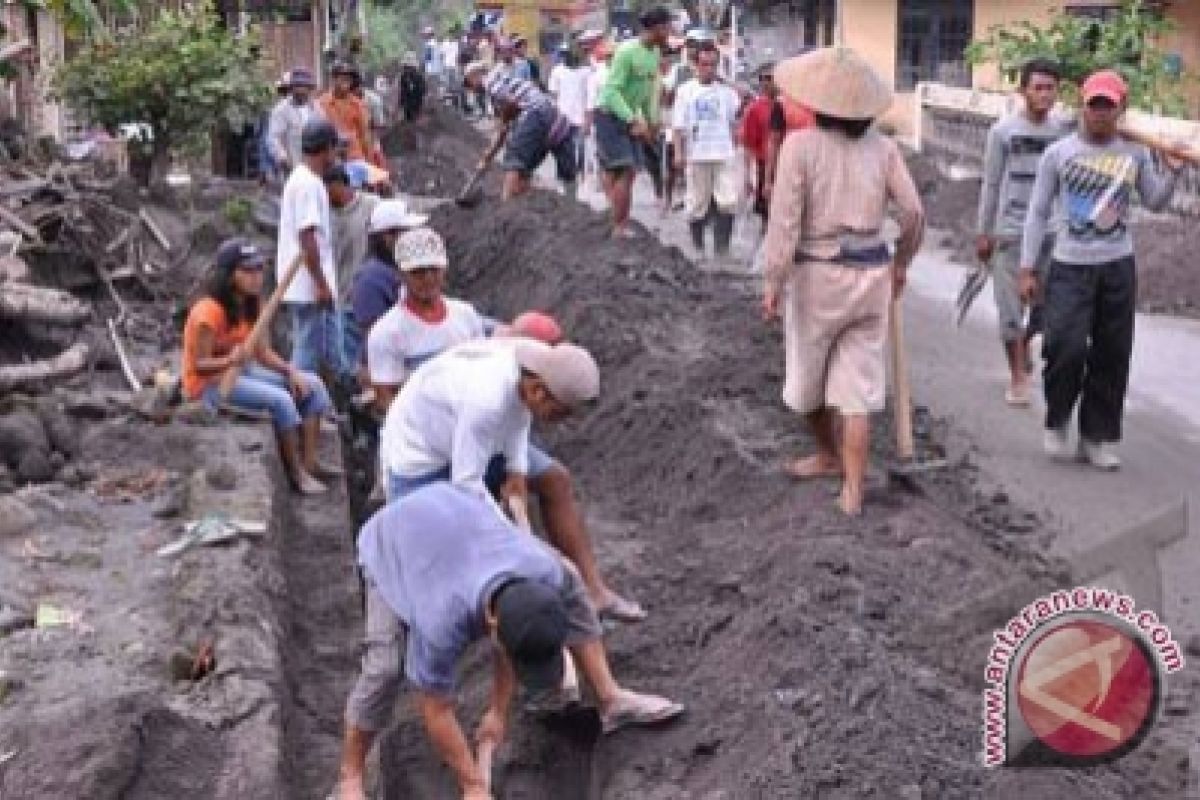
{"x": 532, "y": 126}
{"x": 1091, "y": 289}
{"x": 1014, "y": 146}
{"x": 444, "y": 570}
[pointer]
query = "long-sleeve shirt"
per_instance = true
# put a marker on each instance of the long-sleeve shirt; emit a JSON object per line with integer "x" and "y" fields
{"x": 831, "y": 199}
{"x": 284, "y": 129}
{"x": 1094, "y": 186}
{"x": 349, "y": 115}
{"x": 756, "y": 127}
{"x": 1014, "y": 146}
{"x": 631, "y": 90}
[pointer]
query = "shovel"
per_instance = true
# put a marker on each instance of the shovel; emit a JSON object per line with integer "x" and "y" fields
{"x": 471, "y": 194}
{"x": 971, "y": 288}
{"x": 905, "y": 467}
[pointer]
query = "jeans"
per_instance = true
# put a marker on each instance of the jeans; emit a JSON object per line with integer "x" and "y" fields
{"x": 352, "y": 341}
{"x": 1089, "y": 320}
{"x": 317, "y": 339}
{"x": 261, "y": 389}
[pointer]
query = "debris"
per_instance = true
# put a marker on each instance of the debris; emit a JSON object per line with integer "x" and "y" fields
{"x": 51, "y": 616}
{"x": 213, "y": 529}
{"x": 15, "y": 516}
{"x": 11, "y": 754}
{"x": 67, "y": 363}
{"x": 153, "y": 227}
{"x": 126, "y": 368}
{"x": 221, "y": 476}
{"x": 20, "y": 300}
{"x": 128, "y": 485}
{"x": 185, "y": 665}
{"x": 14, "y": 619}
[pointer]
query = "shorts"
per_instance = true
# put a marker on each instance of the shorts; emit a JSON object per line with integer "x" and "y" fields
{"x": 616, "y": 149}
{"x": 710, "y": 182}
{"x": 539, "y": 132}
{"x": 835, "y": 328}
{"x": 540, "y": 462}
{"x": 1009, "y": 308}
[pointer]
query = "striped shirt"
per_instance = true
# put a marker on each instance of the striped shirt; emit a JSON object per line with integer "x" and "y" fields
{"x": 504, "y": 87}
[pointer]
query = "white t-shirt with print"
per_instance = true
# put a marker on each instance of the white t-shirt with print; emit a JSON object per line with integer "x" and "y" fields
{"x": 568, "y": 85}
{"x": 459, "y": 410}
{"x": 706, "y": 114}
{"x": 400, "y": 341}
{"x": 304, "y": 205}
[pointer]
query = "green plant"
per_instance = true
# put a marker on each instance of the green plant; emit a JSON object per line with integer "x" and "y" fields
{"x": 87, "y": 17}
{"x": 1129, "y": 42}
{"x": 238, "y": 211}
{"x": 179, "y": 77}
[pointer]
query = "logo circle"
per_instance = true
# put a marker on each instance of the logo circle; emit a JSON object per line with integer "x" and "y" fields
{"x": 1089, "y": 689}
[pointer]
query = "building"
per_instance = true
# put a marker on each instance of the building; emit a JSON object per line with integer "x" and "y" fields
{"x": 911, "y": 41}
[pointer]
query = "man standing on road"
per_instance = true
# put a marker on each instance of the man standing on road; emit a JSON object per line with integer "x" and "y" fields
{"x": 288, "y": 119}
{"x": 305, "y": 229}
{"x": 599, "y": 54}
{"x": 568, "y": 87}
{"x": 627, "y": 113}
{"x": 754, "y": 135}
{"x": 1091, "y": 289}
{"x": 444, "y": 570}
{"x": 1014, "y": 146}
{"x": 532, "y": 126}
{"x": 705, "y": 117}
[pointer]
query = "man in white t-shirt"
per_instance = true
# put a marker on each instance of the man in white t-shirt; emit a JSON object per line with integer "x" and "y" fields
{"x": 305, "y": 230}
{"x": 568, "y": 87}
{"x": 423, "y": 324}
{"x": 598, "y": 53}
{"x": 704, "y": 118}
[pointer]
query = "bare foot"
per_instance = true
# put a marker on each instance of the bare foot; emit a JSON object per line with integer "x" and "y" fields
{"x": 307, "y": 484}
{"x": 820, "y": 465}
{"x": 1017, "y": 395}
{"x": 850, "y": 500}
{"x": 349, "y": 789}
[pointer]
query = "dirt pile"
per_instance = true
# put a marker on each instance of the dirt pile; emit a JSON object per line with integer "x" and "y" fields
{"x": 1167, "y": 282}
{"x": 436, "y": 155}
{"x": 819, "y": 656}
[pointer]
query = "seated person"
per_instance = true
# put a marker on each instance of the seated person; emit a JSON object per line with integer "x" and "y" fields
{"x": 218, "y": 325}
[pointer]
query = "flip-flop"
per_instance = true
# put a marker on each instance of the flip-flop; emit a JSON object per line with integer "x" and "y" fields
{"x": 664, "y": 711}
{"x": 1016, "y": 399}
{"x": 790, "y": 469}
{"x": 621, "y": 610}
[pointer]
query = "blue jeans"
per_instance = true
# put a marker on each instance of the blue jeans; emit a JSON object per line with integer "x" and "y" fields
{"x": 317, "y": 339}
{"x": 352, "y": 341}
{"x": 261, "y": 389}
{"x": 540, "y": 462}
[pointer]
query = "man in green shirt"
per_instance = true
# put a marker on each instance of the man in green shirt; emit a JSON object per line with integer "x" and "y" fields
{"x": 627, "y": 112}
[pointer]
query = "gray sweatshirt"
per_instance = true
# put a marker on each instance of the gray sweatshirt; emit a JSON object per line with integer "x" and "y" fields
{"x": 1094, "y": 185}
{"x": 1014, "y": 146}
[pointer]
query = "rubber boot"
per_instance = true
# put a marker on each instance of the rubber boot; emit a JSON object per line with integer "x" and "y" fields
{"x": 697, "y": 229}
{"x": 722, "y": 233}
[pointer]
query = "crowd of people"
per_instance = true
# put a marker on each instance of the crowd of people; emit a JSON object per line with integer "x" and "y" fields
{"x": 449, "y": 558}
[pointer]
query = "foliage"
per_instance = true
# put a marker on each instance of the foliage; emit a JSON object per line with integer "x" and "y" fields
{"x": 1128, "y": 42}
{"x": 394, "y": 27}
{"x": 238, "y": 212}
{"x": 180, "y": 76}
{"x": 88, "y": 17}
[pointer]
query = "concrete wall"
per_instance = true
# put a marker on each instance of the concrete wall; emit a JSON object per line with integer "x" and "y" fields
{"x": 869, "y": 27}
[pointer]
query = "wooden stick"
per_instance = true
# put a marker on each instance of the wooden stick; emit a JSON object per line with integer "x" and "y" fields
{"x": 19, "y": 224}
{"x": 901, "y": 391}
{"x": 1156, "y": 142}
{"x": 263, "y": 323}
{"x": 66, "y": 363}
{"x": 126, "y": 366}
{"x": 152, "y": 226}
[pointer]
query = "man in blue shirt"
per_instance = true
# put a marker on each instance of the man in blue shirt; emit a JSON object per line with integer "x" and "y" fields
{"x": 443, "y": 570}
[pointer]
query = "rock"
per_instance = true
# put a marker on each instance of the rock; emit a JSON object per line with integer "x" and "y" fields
{"x": 173, "y": 502}
{"x": 61, "y": 431}
{"x": 196, "y": 414}
{"x": 35, "y": 467}
{"x": 71, "y": 476}
{"x": 92, "y": 408}
{"x": 222, "y": 476}
{"x": 14, "y": 619}
{"x": 57, "y": 461}
{"x": 9, "y": 684}
{"x": 20, "y": 433}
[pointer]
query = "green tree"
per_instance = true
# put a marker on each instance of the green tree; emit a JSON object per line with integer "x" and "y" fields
{"x": 1129, "y": 41}
{"x": 179, "y": 76}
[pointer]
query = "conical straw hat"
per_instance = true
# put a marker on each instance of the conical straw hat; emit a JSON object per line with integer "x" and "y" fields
{"x": 834, "y": 81}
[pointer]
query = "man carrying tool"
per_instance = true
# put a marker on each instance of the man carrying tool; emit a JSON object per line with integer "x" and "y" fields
{"x": 1014, "y": 146}
{"x": 532, "y": 126}
{"x": 288, "y": 119}
{"x": 627, "y": 113}
{"x": 1092, "y": 283}
{"x": 305, "y": 229}
{"x": 477, "y": 392}
{"x": 705, "y": 117}
{"x": 444, "y": 570}
{"x": 347, "y": 112}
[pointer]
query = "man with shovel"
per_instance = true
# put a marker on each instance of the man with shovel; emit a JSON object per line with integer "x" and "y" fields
{"x": 444, "y": 570}
{"x": 532, "y": 126}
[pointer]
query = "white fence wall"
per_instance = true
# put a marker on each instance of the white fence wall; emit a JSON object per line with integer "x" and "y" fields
{"x": 952, "y": 125}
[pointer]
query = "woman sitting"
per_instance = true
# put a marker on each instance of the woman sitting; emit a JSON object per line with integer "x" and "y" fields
{"x": 218, "y": 326}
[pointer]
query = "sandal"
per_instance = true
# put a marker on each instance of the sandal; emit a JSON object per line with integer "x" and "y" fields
{"x": 640, "y": 710}
{"x": 619, "y": 609}
{"x": 1017, "y": 398}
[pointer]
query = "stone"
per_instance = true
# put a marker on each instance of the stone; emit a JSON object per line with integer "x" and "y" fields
{"x": 172, "y": 502}
{"x": 92, "y": 408}
{"x": 20, "y": 433}
{"x": 222, "y": 476}
{"x": 9, "y": 684}
{"x": 60, "y": 429}
{"x": 71, "y": 476}
{"x": 35, "y": 467}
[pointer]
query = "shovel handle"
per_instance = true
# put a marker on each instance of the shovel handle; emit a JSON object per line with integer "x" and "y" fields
{"x": 262, "y": 323}
{"x": 901, "y": 391}
{"x": 487, "y": 749}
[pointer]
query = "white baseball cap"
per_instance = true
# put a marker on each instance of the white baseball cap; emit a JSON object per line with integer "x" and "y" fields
{"x": 390, "y": 215}
{"x": 569, "y": 372}
{"x": 421, "y": 249}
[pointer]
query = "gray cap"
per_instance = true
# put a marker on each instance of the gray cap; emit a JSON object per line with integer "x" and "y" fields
{"x": 569, "y": 372}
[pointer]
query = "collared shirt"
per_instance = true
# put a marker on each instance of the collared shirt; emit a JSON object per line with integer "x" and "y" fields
{"x": 349, "y": 115}
{"x": 284, "y": 129}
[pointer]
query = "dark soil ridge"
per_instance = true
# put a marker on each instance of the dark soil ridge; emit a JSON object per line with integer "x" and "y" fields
{"x": 819, "y": 656}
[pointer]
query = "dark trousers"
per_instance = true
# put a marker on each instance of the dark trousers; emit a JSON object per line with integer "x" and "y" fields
{"x": 1089, "y": 313}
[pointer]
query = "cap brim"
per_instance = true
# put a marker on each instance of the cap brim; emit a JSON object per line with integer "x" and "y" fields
{"x": 540, "y": 676}
{"x": 1108, "y": 94}
{"x": 409, "y": 266}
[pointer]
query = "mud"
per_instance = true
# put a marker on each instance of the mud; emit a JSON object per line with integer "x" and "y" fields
{"x": 435, "y": 156}
{"x": 819, "y": 656}
{"x": 1167, "y": 282}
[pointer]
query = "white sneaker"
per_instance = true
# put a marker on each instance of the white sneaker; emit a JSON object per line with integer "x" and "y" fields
{"x": 1055, "y": 443}
{"x": 1099, "y": 454}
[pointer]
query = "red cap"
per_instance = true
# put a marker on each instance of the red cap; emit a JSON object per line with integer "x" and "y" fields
{"x": 1106, "y": 83}
{"x": 536, "y": 325}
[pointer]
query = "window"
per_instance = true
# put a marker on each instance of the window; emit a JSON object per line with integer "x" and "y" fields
{"x": 932, "y": 35}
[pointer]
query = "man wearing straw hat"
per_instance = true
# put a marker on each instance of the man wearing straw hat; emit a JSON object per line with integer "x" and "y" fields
{"x": 828, "y": 267}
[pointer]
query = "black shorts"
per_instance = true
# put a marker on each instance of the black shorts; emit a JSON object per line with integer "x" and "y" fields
{"x": 616, "y": 149}
{"x": 529, "y": 144}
